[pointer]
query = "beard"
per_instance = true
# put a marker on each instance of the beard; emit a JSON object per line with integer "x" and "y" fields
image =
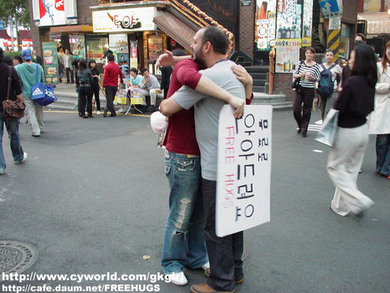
{"x": 199, "y": 58}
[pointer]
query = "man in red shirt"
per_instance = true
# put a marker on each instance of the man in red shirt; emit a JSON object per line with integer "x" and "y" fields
{"x": 184, "y": 244}
{"x": 110, "y": 83}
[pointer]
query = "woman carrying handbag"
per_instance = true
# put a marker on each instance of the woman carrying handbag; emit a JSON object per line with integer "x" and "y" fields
{"x": 308, "y": 71}
{"x": 355, "y": 102}
{"x": 9, "y": 89}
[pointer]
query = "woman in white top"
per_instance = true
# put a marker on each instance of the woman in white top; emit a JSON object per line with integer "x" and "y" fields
{"x": 327, "y": 102}
{"x": 379, "y": 122}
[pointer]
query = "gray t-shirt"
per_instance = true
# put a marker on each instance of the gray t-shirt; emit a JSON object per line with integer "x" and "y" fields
{"x": 207, "y": 112}
{"x": 152, "y": 83}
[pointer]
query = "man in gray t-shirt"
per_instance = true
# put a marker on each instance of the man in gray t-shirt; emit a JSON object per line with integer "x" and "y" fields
{"x": 207, "y": 112}
{"x": 209, "y": 48}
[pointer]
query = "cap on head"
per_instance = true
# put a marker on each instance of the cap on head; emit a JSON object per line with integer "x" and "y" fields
{"x": 26, "y": 54}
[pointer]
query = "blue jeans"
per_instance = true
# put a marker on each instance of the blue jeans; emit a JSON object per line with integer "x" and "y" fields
{"x": 383, "y": 154}
{"x": 184, "y": 244}
{"x": 13, "y": 130}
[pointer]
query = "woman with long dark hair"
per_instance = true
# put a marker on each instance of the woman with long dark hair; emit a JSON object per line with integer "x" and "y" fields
{"x": 308, "y": 71}
{"x": 95, "y": 84}
{"x": 84, "y": 83}
{"x": 379, "y": 122}
{"x": 355, "y": 102}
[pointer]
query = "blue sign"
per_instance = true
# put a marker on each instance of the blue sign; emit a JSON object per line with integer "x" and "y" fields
{"x": 1, "y": 25}
{"x": 329, "y": 8}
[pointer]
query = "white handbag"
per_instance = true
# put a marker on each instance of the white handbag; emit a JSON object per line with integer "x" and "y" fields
{"x": 327, "y": 134}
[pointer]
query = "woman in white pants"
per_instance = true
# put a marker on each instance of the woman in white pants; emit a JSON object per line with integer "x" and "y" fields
{"x": 354, "y": 103}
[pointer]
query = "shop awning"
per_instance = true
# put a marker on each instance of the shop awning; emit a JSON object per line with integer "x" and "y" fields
{"x": 4, "y": 35}
{"x": 176, "y": 29}
{"x": 25, "y": 34}
{"x": 377, "y": 22}
{"x": 71, "y": 29}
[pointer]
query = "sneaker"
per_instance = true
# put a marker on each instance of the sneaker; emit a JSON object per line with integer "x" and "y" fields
{"x": 2, "y": 171}
{"x": 178, "y": 279}
{"x": 22, "y": 161}
{"x": 35, "y": 135}
{"x": 205, "y": 288}
{"x": 98, "y": 113}
{"x": 206, "y": 266}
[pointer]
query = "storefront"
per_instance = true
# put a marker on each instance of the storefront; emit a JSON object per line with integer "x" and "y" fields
{"x": 130, "y": 33}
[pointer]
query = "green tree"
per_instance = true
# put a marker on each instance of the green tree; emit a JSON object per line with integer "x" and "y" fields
{"x": 15, "y": 10}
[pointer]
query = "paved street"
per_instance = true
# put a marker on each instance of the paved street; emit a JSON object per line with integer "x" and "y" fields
{"x": 92, "y": 198}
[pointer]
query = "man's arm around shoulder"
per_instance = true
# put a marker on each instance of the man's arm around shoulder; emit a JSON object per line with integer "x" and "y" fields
{"x": 168, "y": 107}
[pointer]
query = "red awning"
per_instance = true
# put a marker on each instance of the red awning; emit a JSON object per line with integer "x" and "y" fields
{"x": 25, "y": 34}
{"x": 4, "y": 35}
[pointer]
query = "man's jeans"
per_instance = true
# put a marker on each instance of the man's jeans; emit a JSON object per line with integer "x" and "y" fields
{"x": 224, "y": 252}
{"x": 13, "y": 130}
{"x": 184, "y": 244}
{"x": 383, "y": 154}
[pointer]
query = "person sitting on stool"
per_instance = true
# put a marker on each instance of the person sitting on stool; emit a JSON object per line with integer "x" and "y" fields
{"x": 150, "y": 87}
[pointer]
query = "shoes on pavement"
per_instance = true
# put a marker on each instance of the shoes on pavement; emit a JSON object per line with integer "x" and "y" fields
{"x": 178, "y": 279}
{"x": 98, "y": 113}
{"x": 90, "y": 116}
{"x": 237, "y": 281}
{"x": 22, "y": 160}
{"x": 105, "y": 113}
{"x": 205, "y": 288}
{"x": 206, "y": 266}
{"x": 35, "y": 135}
{"x": 299, "y": 131}
{"x": 112, "y": 115}
{"x": 304, "y": 134}
{"x": 2, "y": 171}
{"x": 85, "y": 116}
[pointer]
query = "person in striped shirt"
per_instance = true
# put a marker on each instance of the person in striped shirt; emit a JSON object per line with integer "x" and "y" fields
{"x": 308, "y": 71}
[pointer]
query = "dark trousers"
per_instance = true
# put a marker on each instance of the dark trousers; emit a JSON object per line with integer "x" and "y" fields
{"x": 224, "y": 252}
{"x": 85, "y": 100}
{"x": 110, "y": 95}
{"x": 69, "y": 71}
{"x": 96, "y": 90}
{"x": 305, "y": 96}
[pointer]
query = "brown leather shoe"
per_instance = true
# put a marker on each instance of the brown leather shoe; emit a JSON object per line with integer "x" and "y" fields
{"x": 205, "y": 288}
{"x": 207, "y": 274}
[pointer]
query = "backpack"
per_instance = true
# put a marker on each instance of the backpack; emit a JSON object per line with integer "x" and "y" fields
{"x": 325, "y": 82}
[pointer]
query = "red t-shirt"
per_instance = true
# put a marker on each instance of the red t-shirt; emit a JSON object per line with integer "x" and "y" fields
{"x": 180, "y": 135}
{"x": 111, "y": 72}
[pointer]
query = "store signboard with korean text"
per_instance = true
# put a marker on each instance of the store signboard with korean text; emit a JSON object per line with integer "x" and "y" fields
{"x": 124, "y": 20}
{"x": 244, "y": 169}
{"x": 287, "y": 55}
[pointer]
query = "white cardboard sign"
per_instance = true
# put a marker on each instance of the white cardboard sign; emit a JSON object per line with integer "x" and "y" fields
{"x": 244, "y": 169}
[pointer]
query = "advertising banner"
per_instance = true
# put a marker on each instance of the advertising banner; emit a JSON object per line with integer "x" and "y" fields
{"x": 287, "y": 56}
{"x": 49, "y": 12}
{"x": 124, "y": 20}
{"x": 307, "y": 23}
{"x": 244, "y": 169}
{"x": 265, "y": 23}
{"x": 288, "y": 20}
{"x": 50, "y": 61}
